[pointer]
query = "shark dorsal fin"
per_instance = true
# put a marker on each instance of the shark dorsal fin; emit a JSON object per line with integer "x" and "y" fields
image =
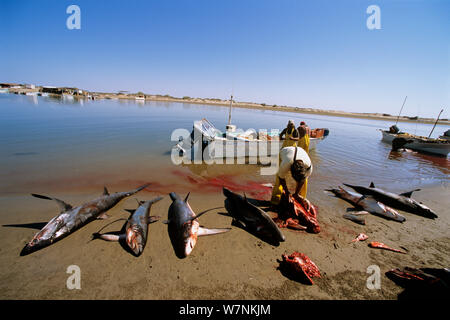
{"x": 187, "y": 196}
{"x": 105, "y": 191}
{"x": 409, "y": 193}
{"x": 62, "y": 205}
{"x": 140, "y": 202}
{"x": 372, "y": 185}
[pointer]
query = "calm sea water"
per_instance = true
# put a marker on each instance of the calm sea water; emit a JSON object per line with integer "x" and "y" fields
{"x": 69, "y": 145}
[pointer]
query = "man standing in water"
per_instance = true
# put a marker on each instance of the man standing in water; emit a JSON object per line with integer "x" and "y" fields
{"x": 290, "y": 135}
{"x": 304, "y": 133}
{"x": 297, "y": 161}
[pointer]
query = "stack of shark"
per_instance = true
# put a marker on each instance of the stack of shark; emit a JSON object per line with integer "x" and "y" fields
{"x": 379, "y": 202}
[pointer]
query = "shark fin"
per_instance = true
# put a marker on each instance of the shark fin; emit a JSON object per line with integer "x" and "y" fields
{"x": 103, "y": 216}
{"x": 362, "y": 198}
{"x": 187, "y": 196}
{"x": 372, "y": 185}
{"x": 105, "y": 191}
{"x": 64, "y": 206}
{"x": 210, "y": 232}
{"x": 108, "y": 236}
{"x": 408, "y": 194}
{"x": 130, "y": 210}
{"x": 203, "y": 212}
{"x": 152, "y": 219}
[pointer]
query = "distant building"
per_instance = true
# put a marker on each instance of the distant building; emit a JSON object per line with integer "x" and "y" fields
{"x": 30, "y": 86}
{"x": 10, "y": 85}
{"x": 51, "y": 89}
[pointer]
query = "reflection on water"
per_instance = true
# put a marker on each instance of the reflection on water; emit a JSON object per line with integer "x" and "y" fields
{"x": 59, "y": 144}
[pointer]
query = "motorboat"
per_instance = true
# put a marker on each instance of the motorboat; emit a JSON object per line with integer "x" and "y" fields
{"x": 236, "y": 143}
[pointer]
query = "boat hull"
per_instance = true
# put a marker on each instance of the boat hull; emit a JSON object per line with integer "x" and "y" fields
{"x": 441, "y": 148}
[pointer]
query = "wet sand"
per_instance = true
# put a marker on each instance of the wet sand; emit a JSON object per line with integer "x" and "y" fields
{"x": 234, "y": 265}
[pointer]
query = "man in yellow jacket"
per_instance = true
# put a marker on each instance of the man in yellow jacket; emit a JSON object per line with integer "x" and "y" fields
{"x": 304, "y": 133}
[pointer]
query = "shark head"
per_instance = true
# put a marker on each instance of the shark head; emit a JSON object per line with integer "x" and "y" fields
{"x": 135, "y": 239}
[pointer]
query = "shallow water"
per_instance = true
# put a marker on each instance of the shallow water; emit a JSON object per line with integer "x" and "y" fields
{"x": 52, "y": 145}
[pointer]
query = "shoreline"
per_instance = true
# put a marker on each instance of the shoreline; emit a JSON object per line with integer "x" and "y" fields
{"x": 237, "y": 104}
{"x": 233, "y": 265}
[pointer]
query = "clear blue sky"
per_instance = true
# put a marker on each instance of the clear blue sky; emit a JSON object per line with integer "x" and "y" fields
{"x": 297, "y": 53}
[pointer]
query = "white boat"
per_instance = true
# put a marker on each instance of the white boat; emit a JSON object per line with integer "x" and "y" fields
{"x": 236, "y": 143}
{"x": 429, "y": 145}
{"x": 140, "y": 98}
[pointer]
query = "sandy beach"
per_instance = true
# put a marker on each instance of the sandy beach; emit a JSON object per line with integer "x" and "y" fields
{"x": 234, "y": 265}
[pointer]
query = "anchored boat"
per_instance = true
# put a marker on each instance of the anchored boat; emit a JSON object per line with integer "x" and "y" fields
{"x": 424, "y": 144}
{"x": 237, "y": 143}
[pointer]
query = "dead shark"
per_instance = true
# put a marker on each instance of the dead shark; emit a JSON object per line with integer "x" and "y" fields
{"x": 401, "y": 201}
{"x": 184, "y": 227}
{"x": 71, "y": 219}
{"x": 254, "y": 219}
{"x": 369, "y": 204}
{"x": 136, "y": 228}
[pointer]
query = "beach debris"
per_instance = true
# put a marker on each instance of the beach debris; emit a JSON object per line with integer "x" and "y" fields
{"x": 369, "y": 204}
{"x": 360, "y": 237}
{"x": 136, "y": 228}
{"x": 301, "y": 212}
{"x": 298, "y": 265}
{"x": 183, "y": 226}
{"x": 252, "y": 218}
{"x": 401, "y": 201}
{"x": 380, "y": 245}
{"x": 355, "y": 218}
{"x": 71, "y": 219}
{"x": 433, "y": 280}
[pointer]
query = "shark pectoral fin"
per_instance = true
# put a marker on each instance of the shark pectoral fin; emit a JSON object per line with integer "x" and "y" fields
{"x": 358, "y": 213}
{"x": 362, "y": 198}
{"x": 108, "y": 236}
{"x": 210, "y": 232}
{"x": 105, "y": 191}
{"x": 372, "y": 185}
{"x": 64, "y": 206}
{"x": 152, "y": 219}
{"x": 187, "y": 196}
{"x": 409, "y": 193}
{"x": 130, "y": 210}
{"x": 103, "y": 216}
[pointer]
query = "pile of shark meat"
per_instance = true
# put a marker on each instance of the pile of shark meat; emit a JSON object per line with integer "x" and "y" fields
{"x": 422, "y": 279}
{"x": 380, "y": 245}
{"x": 299, "y": 266}
{"x": 71, "y": 219}
{"x": 298, "y": 213}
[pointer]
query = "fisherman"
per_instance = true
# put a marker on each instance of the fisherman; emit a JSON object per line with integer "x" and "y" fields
{"x": 296, "y": 160}
{"x": 304, "y": 133}
{"x": 290, "y": 135}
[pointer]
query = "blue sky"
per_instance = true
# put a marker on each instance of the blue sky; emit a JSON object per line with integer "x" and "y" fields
{"x": 299, "y": 53}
